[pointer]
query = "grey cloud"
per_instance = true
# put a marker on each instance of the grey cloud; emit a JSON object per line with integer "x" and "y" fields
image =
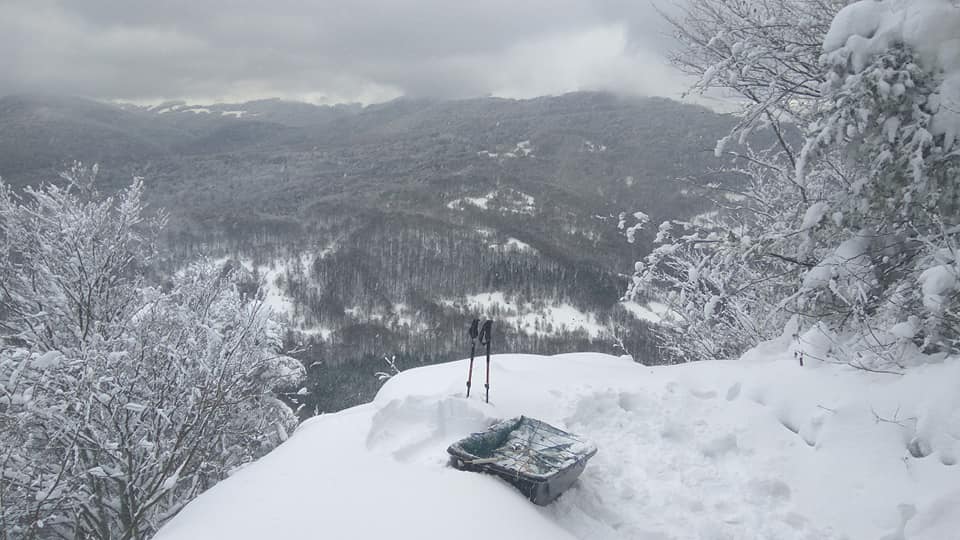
{"x": 331, "y": 50}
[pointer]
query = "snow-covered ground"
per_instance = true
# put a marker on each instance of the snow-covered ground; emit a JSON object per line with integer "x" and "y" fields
{"x": 479, "y": 202}
{"x": 509, "y": 200}
{"x": 513, "y": 244}
{"x": 653, "y": 312}
{"x": 522, "y": 149}
{"x": 168, "y": 107}
{"x": 593, "y": 147}
{"x": 532, "y": 320}
{"x": 756, "y": 448}
{"x": 275, "y": 297}
{"x": 399, "y": 316}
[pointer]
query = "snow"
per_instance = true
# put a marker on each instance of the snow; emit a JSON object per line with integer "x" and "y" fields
{"x": 323, "y": 332}
{"x": 814, "y": 215}
{"x": 721, "y": 146}
{"x": 586, "y": 232}
{"x": 734, "y": 197}
{"x": 857, "y": 19}
{"x": 906, "y": 330}
{"x": 938, "y": 283}
{"x": 180, "y": 107}
{"x": 565, "y": 317}
{"x": 517, "y": 245}
{"x": 479, "y": 202}
{"x": 705, "y": 219}
{"x": 274, "y": 297}
{"x": 837, "y": 218}
{"x": 631, "y": 232}
{"x": 710, "y": 308}
{"x": 847, "y": 261}
{"x": 756, "y": 448}
{"x": 521, "y": 149}
{"x": 47, "y": 360}
{"x": 593, "y": 147}
{"x": 526, "y": 200}
{"x": 166, "y": 107}
{"x": 550, "y": 319}
{"x": 653, "y": 312}
{"x": 327, "y": 251}
{"x": 399, "y": 315}
{"x": 818, "y": 343}
{"x": 930, "y": 28}
{"x": 511, "y": 200}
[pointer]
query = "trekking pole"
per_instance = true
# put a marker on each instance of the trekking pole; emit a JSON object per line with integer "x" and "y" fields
{"x": 485, "y": 340}
{"x": 473, "y": 348}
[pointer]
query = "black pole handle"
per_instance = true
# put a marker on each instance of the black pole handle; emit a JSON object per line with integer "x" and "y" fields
{"x": 473, "y": 347}
{"x": 473, "y": 328}
{"x": 486, "y": 332}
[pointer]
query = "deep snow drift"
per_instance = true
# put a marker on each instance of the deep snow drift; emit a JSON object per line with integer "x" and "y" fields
{"x": 757, "y": 448}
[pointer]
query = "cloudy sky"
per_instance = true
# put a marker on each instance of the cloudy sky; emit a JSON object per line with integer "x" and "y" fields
{"x": 328, "y": 51}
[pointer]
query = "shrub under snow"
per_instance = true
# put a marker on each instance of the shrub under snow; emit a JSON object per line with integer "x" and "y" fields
{"x": 120, "y": 400}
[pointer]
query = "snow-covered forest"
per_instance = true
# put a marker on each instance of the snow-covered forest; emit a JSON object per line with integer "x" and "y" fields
{"x": 812, "y": 297}
{"x": 848, "y": 224}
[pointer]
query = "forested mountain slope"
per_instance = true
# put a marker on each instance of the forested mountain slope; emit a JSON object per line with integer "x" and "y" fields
{"x": 382, "y": 230}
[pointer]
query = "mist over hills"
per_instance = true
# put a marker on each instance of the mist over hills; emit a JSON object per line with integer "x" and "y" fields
{"x": 381, "y": 230}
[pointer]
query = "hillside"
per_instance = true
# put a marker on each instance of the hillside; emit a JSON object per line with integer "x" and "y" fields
{"x": 381, "y": 230}
{"x": 759, "y": 448}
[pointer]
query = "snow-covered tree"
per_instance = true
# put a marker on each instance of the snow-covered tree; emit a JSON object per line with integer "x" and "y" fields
{"x": 764, "y": 53}
{"x": 853, "y": 226}
{"x": 120, "y": 400}
{"x": 889, "y": 111}
{"x": 724, "y": 274}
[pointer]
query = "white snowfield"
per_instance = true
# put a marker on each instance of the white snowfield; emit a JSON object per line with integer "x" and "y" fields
{"x": 759, "y": 448}
{"x": 529, "y": 319}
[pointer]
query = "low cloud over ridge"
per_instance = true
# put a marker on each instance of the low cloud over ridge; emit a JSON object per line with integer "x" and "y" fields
{"x": 331, "y": 50}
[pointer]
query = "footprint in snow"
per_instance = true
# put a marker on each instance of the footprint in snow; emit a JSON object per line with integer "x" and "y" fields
{"x": 720, "y": 446}
{"x": 632, "y": 402}
{"x": 769, "y": 490}
{"x": 703, "y": 394}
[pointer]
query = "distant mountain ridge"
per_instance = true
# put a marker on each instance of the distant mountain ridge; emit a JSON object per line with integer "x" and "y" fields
{"x": 596, "y": 152}
{"x": 64, "y": 128}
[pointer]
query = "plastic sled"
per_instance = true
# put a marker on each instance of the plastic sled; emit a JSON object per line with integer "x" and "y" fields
{"x": 535, "y": 457}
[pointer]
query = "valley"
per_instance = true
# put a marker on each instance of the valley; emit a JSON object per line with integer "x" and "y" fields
{"x": 380, "y": 231}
